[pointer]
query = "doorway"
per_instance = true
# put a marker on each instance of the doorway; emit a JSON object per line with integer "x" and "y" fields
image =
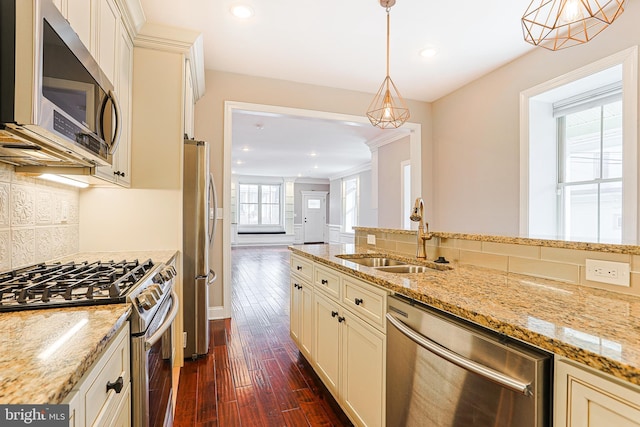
{"x": 314, "y": 212}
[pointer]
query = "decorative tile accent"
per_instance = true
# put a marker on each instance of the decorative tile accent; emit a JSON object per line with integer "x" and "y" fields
{"x": 44, "y": 207}
{"x": 5, "y": 250}
{"x": 5, "y": 201}
{"x": 47, "y": 240}
{"x": 23, "y": 244}
{"x": 22, "y": 205}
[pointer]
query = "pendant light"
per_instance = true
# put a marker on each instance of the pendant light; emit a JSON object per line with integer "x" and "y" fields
{"x": 558, "y": 24}
{"x": 387, "y": 109}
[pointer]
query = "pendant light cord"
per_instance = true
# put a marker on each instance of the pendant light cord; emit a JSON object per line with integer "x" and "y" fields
{"x": 388, "y": 20}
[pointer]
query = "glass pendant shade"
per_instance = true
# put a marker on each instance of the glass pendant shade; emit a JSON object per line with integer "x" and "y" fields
{"x": 387, "y": 109}
{"x": 558, "y": 24}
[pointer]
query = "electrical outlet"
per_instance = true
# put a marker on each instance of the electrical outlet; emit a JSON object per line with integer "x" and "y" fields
{"x": 614, "y": 273}
{"x": 184, "y": 340}
{"x": 371, "y": 239}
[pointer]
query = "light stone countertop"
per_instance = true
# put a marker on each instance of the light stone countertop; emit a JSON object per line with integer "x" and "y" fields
{"x": 598, "y": 328}
{"x": 39, "y": 364}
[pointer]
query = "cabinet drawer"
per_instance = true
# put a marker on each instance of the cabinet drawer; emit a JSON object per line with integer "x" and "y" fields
{"x": 301, "y": 266}
{"x": 363, "y": 299}
{"x": 327, "y": 280}
{"x": 100, "y": 403}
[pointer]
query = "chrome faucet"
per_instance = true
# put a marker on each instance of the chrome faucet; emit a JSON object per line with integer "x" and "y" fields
{"x": 423, "y": 233}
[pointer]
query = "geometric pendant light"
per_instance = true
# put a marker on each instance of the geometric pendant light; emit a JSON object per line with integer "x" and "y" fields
{"x": 558, "y": 24}
{"x": 387, "y": 109}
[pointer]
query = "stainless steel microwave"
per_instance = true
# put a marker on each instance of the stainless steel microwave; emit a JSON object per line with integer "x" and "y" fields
{"x": 57, "y": 107}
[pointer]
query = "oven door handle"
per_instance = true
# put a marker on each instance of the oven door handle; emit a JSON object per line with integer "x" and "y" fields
{"x": 452, "y": 357}
{"x": 157, "y": 335}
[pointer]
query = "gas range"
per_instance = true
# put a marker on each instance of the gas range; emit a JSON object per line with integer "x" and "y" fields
{"x": 56, "y": 285}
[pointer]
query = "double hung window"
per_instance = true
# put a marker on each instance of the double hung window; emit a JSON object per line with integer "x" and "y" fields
{"x": 260, "y": 204}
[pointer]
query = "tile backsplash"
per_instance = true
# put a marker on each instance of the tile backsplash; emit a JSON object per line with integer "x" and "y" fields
{"x": 38, "y": 219}
{"x": 564, "y": 261}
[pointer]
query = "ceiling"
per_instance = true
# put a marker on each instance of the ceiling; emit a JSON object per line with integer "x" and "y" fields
{"x": 341, "y": 44}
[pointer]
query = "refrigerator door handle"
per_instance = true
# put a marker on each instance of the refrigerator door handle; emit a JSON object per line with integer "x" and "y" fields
{"x": 212, "y": 277}
{"x": 213, "y": 208}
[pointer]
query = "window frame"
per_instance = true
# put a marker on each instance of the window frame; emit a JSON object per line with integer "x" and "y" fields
{"x": 356, "y": 204}
{"x": 627, "y": 60}
{"x": 260, "y": 226}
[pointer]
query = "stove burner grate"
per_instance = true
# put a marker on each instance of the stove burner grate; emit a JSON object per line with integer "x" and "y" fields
{"x": 70, "y": 284}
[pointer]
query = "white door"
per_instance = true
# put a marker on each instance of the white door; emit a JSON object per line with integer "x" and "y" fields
{"x": 314, "y": 211}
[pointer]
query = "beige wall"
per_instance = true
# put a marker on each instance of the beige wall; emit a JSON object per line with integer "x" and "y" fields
{"x": 390, "y": 156}
{"x": 223, "y": 87}
{"x": 476, "y": 133}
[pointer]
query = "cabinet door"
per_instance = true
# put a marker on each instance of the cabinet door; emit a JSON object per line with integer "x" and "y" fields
{"x": 125, "y": 71}
{"x": 189, "y": 102}
{"x": 295, "y": 310}
{"x": 307, "y": 334}
{"x": 107, "y": 29}
{"x": 586, "y": 399}
{"x": 78, "y": 14}
{"x": 363, "y": 371}
{"x": 327, "y": 341}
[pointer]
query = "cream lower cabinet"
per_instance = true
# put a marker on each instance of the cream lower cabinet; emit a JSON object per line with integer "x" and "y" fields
{"x": 102, "y": 398}
{"x": 587, "y": 398}
{"x": 301, "y": 315}
{"x": 348, "y": 349}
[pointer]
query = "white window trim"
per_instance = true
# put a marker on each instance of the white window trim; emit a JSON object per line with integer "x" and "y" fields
{"x": 629, "y": 60}
{"x": 247, "y": 228}
{"x": 343, "y": 198}
{"x": 406, "y": 209}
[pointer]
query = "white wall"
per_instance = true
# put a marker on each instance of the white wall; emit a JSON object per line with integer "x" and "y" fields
{"x": 476, "y": 133}
{"x": 390, "y": 157}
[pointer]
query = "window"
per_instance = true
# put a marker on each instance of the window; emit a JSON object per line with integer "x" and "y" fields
{"x": 259, "y": 204}
{"x": 579, "y": 154}
{"x": 590, "y": 167}
{"x": 350, "y": 204}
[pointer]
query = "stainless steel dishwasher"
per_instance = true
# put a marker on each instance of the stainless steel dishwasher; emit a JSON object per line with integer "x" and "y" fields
{"x": 444, "y": 372}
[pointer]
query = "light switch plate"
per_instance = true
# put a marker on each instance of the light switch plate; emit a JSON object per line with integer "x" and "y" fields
{"x": 613, "y": 273}
{"x": 371, "y": 239}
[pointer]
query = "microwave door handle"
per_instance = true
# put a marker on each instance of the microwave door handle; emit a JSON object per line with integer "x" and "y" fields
{"x": 118, "y": 129}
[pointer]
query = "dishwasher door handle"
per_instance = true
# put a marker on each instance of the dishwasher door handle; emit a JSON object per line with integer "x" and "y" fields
{"x": 471, "y": 366}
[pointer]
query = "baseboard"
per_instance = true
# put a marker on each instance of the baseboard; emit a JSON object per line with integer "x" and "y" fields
{"x": 216, "y": 313}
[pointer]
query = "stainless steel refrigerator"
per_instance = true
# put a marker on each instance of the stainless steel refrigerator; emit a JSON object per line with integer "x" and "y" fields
{"x": 199, "y": 221}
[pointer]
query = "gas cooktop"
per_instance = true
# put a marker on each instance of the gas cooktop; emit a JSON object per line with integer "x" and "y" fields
{"x": 49, "y": 285}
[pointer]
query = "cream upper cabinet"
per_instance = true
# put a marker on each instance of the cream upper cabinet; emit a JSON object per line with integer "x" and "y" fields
{"x": 78, "y": 13}
{"x": 120, "y": 169}
{"x": 107, "y": 24}
{"x": 189, "y": 102}
{"x": 588, "y": 398}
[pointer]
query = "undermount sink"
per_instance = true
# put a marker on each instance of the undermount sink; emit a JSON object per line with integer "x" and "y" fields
{"x": 404, "y": 269}
{"x": 373, "y": 261}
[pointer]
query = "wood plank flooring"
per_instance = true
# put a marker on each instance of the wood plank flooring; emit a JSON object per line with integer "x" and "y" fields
{"x": 254, "y": 374}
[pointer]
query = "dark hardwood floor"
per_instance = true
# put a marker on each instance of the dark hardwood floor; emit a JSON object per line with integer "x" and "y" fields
{"x": 254, "y": 374}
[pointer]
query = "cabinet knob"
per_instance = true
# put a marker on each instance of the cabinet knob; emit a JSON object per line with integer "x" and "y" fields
{"x": 299, "y": 267}
{"x": 324, "y": 281}
{"x": 334, "y": 313}
{"x": 341, "y": 319}
{"x": 358, "y": 301}
{"x": 116, "y": 385}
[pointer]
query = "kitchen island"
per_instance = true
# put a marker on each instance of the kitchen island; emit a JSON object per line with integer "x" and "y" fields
{"x": 594, "y": 327}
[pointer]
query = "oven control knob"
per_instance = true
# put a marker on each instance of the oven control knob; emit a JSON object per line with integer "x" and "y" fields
{"x": 156, "y": 290}
{"x": 158, "y": 278}
{"x": 146, "y": 300}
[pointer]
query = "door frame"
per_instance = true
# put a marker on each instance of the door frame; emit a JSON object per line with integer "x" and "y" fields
{"x": 314, "y": 194}
{"x": 414, "y": 130}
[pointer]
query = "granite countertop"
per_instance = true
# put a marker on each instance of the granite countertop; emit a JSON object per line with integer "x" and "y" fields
{"x": 598, "y": 328}
{"x": 40, "y": 362}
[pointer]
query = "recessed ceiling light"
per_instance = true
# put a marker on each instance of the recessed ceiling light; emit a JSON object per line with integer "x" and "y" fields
{"x": 428, "y": 52}
{"x": 245, "y": 149}
{"x": 242, "y": 11}
{"x": 239, "y": 162}
{"x": 313, "y": 154}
